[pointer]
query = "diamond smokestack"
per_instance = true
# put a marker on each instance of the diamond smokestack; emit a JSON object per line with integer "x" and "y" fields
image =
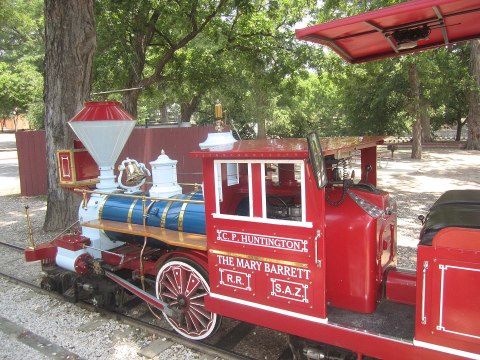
{"x": 103, "y": 127}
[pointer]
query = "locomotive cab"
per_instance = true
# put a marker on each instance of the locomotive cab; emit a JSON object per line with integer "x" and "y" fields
{"x": 286, "y": 237}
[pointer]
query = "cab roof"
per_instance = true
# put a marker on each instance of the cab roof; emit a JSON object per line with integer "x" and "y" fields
{"x": 289, "y": 148}
{"x": 404, "y": 28}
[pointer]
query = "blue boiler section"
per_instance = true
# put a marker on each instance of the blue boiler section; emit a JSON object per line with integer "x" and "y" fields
{"x": 170, "y": 214}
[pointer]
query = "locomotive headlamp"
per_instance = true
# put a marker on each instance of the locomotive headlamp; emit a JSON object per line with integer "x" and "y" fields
{"x": 218, "y": 110}
{"x": 220, "y": 140}
{"x": 219, "y": 125}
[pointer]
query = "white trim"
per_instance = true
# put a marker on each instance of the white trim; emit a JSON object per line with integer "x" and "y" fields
{"x": 250, "y": 191}
{"x": 302, "y": 189}
{"x": 215, "y": 175}
{"x": 441, "y": 326}
{"x": 323, "y": 321}
{"x": 270, "y": 308}
{"x": 264, "y": 193}
{"x": 307, "y": 224}
{"x": 258, "y": 161}
{"x": 442, "y": 281}
{"x": 424, "y": 289}
{"x": 447, "y": 350}
{"x": 263, "y": 218}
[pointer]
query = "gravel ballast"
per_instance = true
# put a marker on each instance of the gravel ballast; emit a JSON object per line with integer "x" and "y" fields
{"x": 83, "y": 334}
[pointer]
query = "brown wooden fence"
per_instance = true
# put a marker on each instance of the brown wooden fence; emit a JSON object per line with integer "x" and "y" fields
{"x": 144, "y": 145}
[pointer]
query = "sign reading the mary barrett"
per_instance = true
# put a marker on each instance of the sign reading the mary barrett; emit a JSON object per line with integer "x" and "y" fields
{"x": 262, "y": 279}
{"x": 263, "y": 241}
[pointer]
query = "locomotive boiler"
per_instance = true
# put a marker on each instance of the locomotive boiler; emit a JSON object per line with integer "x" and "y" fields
{"x": 280, "y": 233}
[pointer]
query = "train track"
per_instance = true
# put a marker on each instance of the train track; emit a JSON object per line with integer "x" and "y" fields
{"x": 235, "y": 340}
{"x": 12, "y": 246}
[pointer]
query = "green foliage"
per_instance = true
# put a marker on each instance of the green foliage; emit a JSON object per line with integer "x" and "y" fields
{"x": 446, "y": 78}
{"x": 374, "y": 97}
{"x": 35, "y": 115}
{"x": 244, "y": 53}
{"x": 20, "y": 85}
{"x": 21, "y": 56}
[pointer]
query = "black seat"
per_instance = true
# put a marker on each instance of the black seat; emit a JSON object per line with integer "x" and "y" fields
{"x": 458, "y": 197}
{"x": 445, "y": 215}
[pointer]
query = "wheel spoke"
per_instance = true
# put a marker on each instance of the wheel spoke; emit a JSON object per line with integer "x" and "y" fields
{"x": 198, "y": 296}
{"x": 178, "y": 282}
{"x": 167, "y": 291}
{"x": 200, "y": 310}
{"x": 199, "y": 323}
{"x": 183, "y": 280}
{"x": 193, "y": 284}
{"x": 170, "y": 284}
{"x": 168, "y": 294}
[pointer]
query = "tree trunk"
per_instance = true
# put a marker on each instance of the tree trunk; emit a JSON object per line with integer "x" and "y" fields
{"x": 163, "y": 114}
{"x": 458, "y": 135}
{"x": 130, "y": 101}
{"x": 143, "y": 32}
{"x": 70, "y": 41}
{"x": 473, "y": 123}
{"x": 417, "y": 125}
{"x": 261, "y": 105}
{"x": 425, "y": 121}
{"x": 187, "y": 109}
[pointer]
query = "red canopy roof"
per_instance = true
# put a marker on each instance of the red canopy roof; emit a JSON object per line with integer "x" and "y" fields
{"x": 404, "y": 28}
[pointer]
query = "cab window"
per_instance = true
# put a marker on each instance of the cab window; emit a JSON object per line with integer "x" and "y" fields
{"x": 266, "y": 191}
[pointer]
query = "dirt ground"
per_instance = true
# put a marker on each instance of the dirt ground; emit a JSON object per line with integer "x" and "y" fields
{"x": 416, "y": 184}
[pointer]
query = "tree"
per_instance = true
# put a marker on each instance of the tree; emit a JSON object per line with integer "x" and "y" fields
{"x": 21, "y": 55}
{"x": 148, "y": 34}
{"x": 19, "y": 87}
{"x": 415, "y": 110}
{"x": 375, "y": 99}
{"x": 69, "y": 48}
{"x": 473, "y": 123}
{"x": 240, "y": 39}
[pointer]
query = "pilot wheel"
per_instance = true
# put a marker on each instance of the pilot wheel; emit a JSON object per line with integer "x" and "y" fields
{"x": 183, "y": 285}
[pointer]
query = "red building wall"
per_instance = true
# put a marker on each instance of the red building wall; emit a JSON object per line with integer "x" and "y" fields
{"x": 144, "y": 145}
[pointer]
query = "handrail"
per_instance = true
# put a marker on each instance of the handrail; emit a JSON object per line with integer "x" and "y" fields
{"x": 196, "y": 185}
{"x": 143, "y": 197}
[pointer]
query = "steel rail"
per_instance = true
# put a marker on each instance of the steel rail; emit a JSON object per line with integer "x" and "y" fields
{"x": 12, "y": 246}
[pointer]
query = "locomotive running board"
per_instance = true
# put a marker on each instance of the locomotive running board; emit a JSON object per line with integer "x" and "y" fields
{"x": 149, "y": 298}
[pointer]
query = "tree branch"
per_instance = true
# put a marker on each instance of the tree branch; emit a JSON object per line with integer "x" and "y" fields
{"x": 164, "y": 37}
{"x": 168, "y": 55}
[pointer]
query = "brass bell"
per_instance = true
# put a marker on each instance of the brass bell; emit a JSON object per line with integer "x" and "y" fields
{"x": 134, "y": 174}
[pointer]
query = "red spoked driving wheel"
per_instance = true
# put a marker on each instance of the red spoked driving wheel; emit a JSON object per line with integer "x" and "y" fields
{"x": 183, "y": 285}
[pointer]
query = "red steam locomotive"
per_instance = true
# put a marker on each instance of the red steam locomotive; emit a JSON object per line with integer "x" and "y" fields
{"x": 280, "y": 235}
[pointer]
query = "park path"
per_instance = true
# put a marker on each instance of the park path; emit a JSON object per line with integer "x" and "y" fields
{"x": 9, "y": 178}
